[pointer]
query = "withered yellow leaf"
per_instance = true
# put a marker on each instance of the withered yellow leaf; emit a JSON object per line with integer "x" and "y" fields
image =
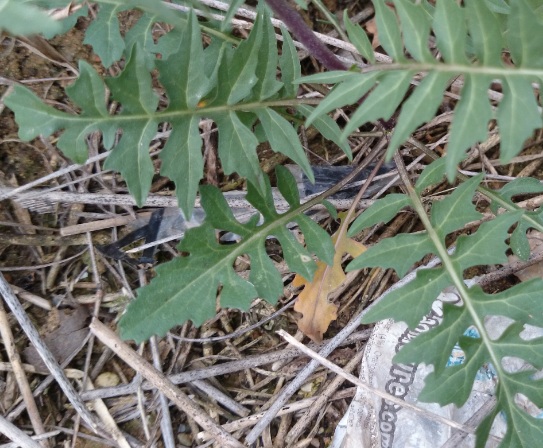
{"x": 317, "y": 312}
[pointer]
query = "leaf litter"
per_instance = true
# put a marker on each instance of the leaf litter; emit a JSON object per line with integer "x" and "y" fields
{"x": 317, "y": 311}
{"x": 193, "y": 356}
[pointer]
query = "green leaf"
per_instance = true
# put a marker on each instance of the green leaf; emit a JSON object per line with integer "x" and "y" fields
{"x": 486, "y": 36}
{"x": 510, "y": 342}
{"x": 266, "y": 68}
{"x": 33, "y": 116}
{"x": 518, "y": 186}
{"x": 524, "y": 430}
{"x": 435, "y": 346}
{"x": 20, "y": 19}
{"x": 470, "y": 120}
{"x": 88, "y": 92}
{"x": 142, "y": 33}
{"x": 521, "y": 302}
{"x": 348, "y": 92}
{"x": 239, "y": 75}
{"x": 431, "y": 175}
{"x": 382, "y": 101}
{"x": 182, "y": 161}
{"x": 65, "y": 24}
{"x": 186, "y": 86}
{"x": 524, "y": 382}
{"x": 287, "y": 186}
{"x": 456, "y": 209}
{"x": 283, "y": 138}
{"x": 519, "y": 243}
{"x": 104, "y": 34}
{"x": 359, "y": 38}
{"x": 415, "y": 29}
{"x": 328, "y": 128}
{"x": 388, "y": 30}
{"x": 383, "y": 210}
{"x": 131, "y": 158}
{"x": 317, "y": 239}
{"x": 498, "y": 6}
{"x": 449, "y": 385}
{"x": 290, "y": 65}
{"x": 518, "y": 100}
{"x": 487, "y": 245}
{"x": 525, "y": 35}
{"x": 234, "y": 5}
{"x": 132, "y": 88}
{"x": 411, "y": 302}
{"x": 331, "y": 77}
{"x": 419, "y": 108}
{"x": 237, "y": 146}
{"x": 399, "y": 252}
{"x": 186, "y": 288}
{"x": 450, "y": 30}
{"x": 483, "y": 430}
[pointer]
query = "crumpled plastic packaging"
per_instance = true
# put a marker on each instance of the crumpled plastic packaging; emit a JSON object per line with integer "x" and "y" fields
{"x": 372, "y": 422}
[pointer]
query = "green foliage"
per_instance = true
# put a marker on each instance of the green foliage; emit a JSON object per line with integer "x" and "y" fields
{"x": 410, "y": 303}
{"x": 186, "y": 288}
{"x": 23, "y": 17}
{"x": 470, "y": 40}
{"x": 235, "y": 93}
{"x": 235, "y": 84}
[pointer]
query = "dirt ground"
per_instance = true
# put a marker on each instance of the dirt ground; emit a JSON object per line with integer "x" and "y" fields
{"x": 62, "y": 282}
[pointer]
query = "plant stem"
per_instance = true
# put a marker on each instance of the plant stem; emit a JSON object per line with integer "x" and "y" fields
{"x": 305, "y": 35}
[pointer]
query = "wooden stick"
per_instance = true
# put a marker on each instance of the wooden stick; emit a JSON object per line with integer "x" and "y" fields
{"x": 20, "y": 376}
{"x": 161, "y": 382}
{"x": 356, "y": 381}
{"x": 19, "y": 437}
{"x": 251, "y": 420}
{"x": 48, "y": 358}
{"x": 99, "y": 225}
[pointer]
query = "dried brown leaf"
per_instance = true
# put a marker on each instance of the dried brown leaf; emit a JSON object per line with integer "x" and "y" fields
{"x": 317, "y": 312}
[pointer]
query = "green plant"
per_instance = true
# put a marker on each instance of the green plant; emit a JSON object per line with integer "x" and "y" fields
{"x": 235, "y": 84}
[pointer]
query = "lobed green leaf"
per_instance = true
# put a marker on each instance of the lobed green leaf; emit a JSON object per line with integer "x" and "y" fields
{"x": 21, "y": 18}
{"x": 383, "y": 210}
{"x": 359, "y": 38}
{"x": 104, "y": 34}
{"x": 432, "y": 174}
{"x": 450, "y": 29}
{"x": 419, "y": 108}
{"x": 524, "y": 36}
{"x": 518, "y": 100}
{"x": 388, "y": 30}
{"x": 456, "y": 209}
{"x": 399, "y": 252}
{"x": 416, "y": 23}
{"x": 382, "y": 101}
{"x": 412, "y": 301}
{"x": 186, "y": 288}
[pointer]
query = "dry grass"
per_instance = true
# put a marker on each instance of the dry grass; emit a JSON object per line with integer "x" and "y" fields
{"x": 197, "y": 386}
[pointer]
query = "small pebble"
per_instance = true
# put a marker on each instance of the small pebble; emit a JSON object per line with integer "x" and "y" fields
{"x": 107, "y": 379}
